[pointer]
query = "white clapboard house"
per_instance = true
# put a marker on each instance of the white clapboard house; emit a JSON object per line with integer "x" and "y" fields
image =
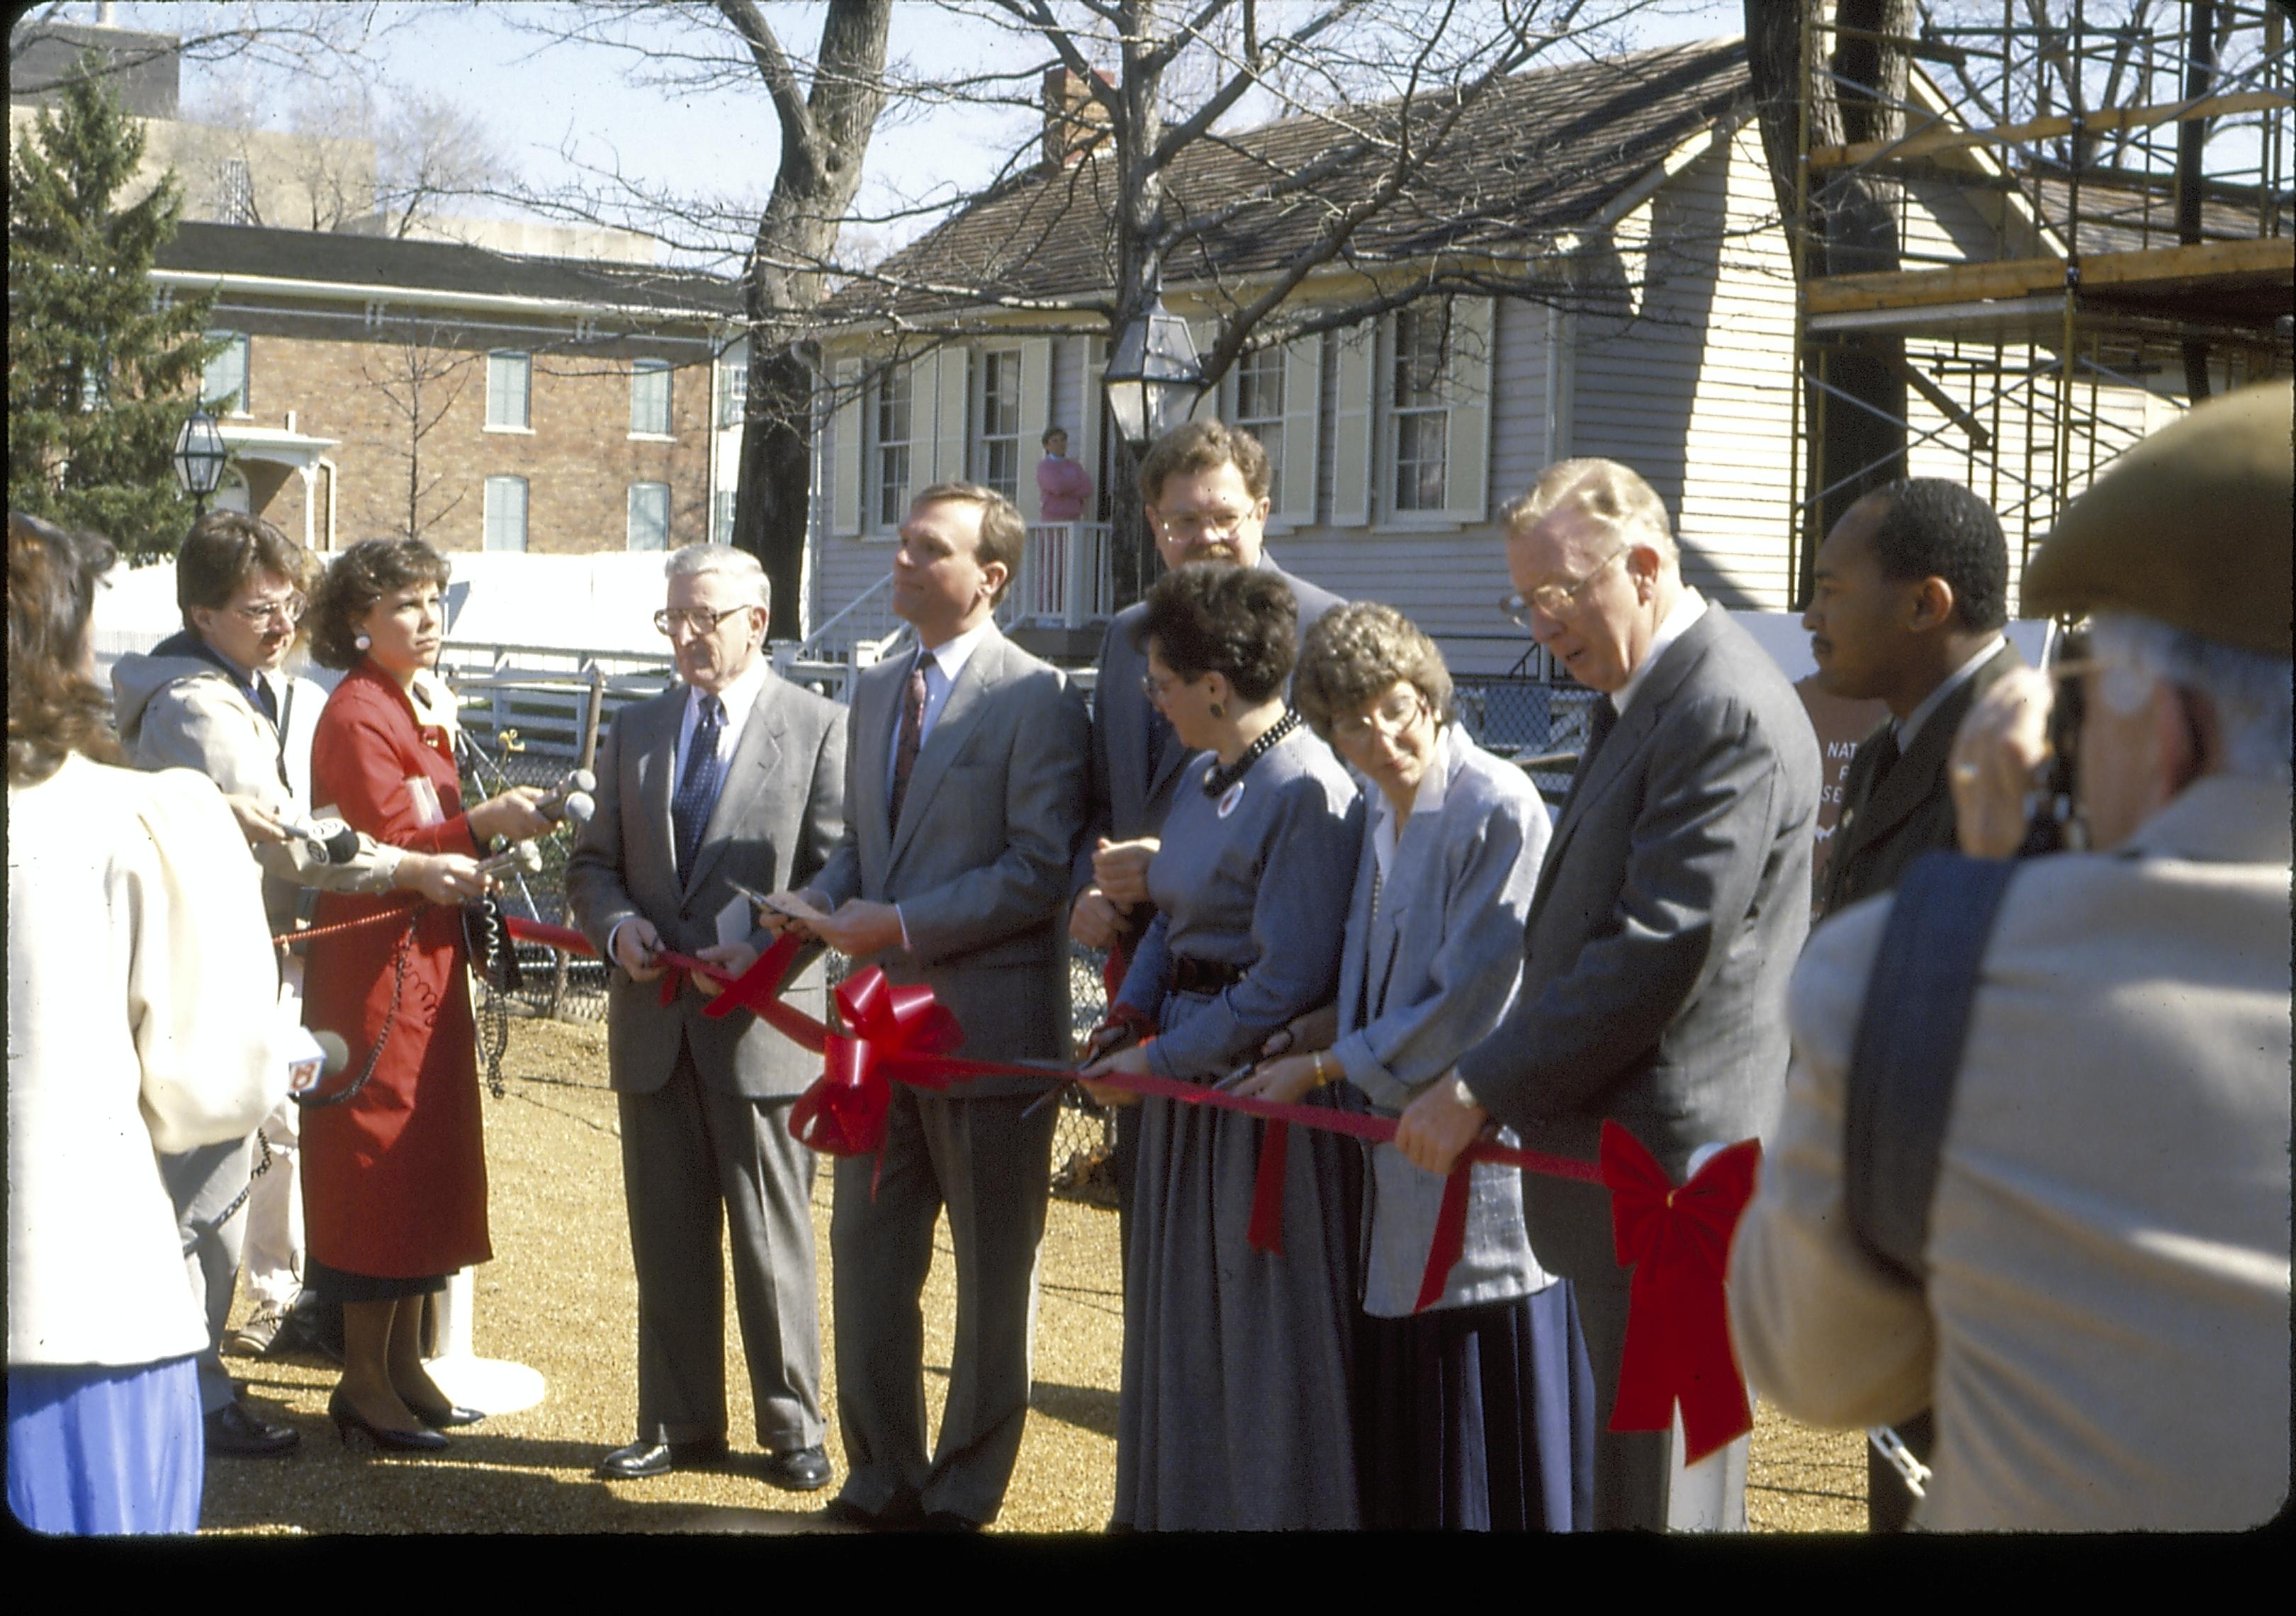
{"x": 1637, "y": 183}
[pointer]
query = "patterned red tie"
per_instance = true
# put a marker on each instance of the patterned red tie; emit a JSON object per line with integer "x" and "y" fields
{"x": 913, "y": 729}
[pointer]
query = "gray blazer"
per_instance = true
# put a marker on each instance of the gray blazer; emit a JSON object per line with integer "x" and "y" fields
{"x": 778, "y": 814}
{"x": 1665, "y": 926}
{"x": 1135, "y": 757}
{"x": 980, "y": 865}
{"x": 1426, "y": 980}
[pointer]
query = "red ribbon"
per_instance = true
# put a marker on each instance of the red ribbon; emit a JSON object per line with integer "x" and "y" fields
{"x": 895, "y": 1035}
{"x": 1678, "y": 1241}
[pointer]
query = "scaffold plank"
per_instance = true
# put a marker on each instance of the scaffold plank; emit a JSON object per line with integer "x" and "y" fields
{"x": 2200, "y": 263}
{"x": 2043, "y": 128}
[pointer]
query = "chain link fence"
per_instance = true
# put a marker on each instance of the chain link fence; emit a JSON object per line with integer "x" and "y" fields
{"x": 572, "y": 986}
{"x": 1536, "y": 722}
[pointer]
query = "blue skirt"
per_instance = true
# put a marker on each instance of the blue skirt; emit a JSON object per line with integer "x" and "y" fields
{"x": 100, "y": 1449}
{"x": 1478, "y": 1418}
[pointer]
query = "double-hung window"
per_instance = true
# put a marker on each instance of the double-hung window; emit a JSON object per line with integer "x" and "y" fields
{"x": 510, "y": 385}
{"x": 223, "y": 385}
{"x": 1260, "y": 406}
{"x": 1419, "y": 410}
{"x": 650, "y": 398}
{"x": 732, "y": 390}
{"x": 896, "y": 416}
{"x": 506, "y": 513}
{"x": 648, "y": 528}
{"x": 999, "y": 437}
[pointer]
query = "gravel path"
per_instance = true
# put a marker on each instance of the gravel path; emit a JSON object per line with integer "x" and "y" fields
{"x": 560, "y": 1296}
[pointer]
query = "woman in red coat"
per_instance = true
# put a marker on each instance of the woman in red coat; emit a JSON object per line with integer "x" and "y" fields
{"x": 395, "y": 1177}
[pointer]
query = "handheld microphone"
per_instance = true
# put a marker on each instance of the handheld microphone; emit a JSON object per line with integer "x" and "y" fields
{"x": 325, "y": 841}
{"x": 313, "y": 1056}
{"x": 522, "y": 858}
{"x": 570, "y": 797}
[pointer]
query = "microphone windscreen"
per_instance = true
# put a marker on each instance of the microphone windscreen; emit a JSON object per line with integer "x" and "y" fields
{"x": 343, "y": 847}
{"x": 583, "y": 779}
{"x": 338, "y": 1053}
{"x": 580, "y": 807}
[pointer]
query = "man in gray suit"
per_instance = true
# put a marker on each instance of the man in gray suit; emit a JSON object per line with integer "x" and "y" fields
{"x": 1205, "y": 484}
{"x": 1667, "y": 916}
{"x": 733, "y": 775}
{"x": 964, "y": 791}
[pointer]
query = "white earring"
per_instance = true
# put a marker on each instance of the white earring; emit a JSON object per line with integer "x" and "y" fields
{"x": 362, "y": 642}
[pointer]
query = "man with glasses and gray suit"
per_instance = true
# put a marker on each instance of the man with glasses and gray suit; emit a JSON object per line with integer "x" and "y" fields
{"x": 731, "y": 776}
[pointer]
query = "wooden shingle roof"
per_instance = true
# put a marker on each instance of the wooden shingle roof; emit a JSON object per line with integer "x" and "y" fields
{"x": 1539, "y": 153}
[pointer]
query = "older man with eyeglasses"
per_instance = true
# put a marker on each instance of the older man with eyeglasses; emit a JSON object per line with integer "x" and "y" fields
{"x": 1673, "y": 901}
{"x": 218, "y": 698}
{"x": 733, "y": 778}
{"x": 1206, "y": 487}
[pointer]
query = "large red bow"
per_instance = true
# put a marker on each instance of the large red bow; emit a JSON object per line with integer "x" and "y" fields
{"x": 891, "y": 1035}
{"x": 1677, "y": 1240}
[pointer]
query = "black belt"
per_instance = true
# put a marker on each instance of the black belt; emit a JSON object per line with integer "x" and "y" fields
{"x": 1202, "y": 975}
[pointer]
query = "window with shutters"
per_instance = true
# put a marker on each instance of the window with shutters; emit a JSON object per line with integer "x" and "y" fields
{"x": 510, "y": 384}
{"x": 506, "y": 513}
{"x": 1419, "y": 409}
{"x": 895, "y": 415}
{"x": 1259, "y": 405}
{"x": 650, "y": 398}
{"x": 648, "y": 528}
{"x": 223, "y": 385}
{"x": 998, "y": 441}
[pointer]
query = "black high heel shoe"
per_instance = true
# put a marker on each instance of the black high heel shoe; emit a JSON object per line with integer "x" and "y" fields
{"x": 447, "y": 1418}
{"x": 347, "y": 1419}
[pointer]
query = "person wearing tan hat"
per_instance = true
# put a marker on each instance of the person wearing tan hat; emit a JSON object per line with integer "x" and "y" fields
{"x": 2093, "y": 1292}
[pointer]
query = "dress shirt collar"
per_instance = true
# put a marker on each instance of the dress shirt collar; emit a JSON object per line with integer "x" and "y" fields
{"x": 1911, "y": 725}
{"x": 739, "y": 697}
{"x": 1442, "y": 764}
{"x": 1686, "y": 610}
{"x": 952, "y": 654}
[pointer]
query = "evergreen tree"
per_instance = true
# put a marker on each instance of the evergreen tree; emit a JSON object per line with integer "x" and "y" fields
{"x": 102, "y": 371}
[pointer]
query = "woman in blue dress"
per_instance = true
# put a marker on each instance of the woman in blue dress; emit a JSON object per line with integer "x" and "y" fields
{"x": 1479, "y": 1412}
{"x": 1238, "y": 1363}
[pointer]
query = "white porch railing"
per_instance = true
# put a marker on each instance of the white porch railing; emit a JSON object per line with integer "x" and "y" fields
{"x": 1064, "y": 575}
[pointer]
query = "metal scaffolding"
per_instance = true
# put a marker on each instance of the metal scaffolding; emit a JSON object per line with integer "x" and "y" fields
{"x": 2092, "y": 208}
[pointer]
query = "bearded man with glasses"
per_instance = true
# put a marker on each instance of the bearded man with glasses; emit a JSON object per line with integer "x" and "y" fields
{"x": 218, "y": 698}
{"x": 1205, "y": 485}
{"x": 733, "y": 778}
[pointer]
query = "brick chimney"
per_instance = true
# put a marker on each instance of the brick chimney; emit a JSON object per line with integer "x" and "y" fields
{"x": 1073, "y": 120}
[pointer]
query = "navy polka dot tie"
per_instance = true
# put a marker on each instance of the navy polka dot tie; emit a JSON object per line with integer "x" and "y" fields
{"x": 697, "y": 793}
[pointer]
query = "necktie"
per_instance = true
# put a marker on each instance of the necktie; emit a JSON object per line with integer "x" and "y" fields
{"x": 267, "y": 701}
{"x": 1885, "y": 758}
{"x": 1600, "y": 715}
{"x": 697, "y": 793}
{"x": 912, "y": 730}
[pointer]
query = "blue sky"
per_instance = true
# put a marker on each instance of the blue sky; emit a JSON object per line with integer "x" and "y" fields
{"x": 540, "y": 103}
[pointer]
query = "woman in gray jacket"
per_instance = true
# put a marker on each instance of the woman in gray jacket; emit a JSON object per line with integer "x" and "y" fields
{"x": 1478, "y": 1413}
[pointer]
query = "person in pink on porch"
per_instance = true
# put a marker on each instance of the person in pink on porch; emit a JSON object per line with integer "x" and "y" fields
{"x": 1062, "y": 484}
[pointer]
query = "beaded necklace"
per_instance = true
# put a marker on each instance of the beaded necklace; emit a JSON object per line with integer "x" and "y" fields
{"x": 1219, "y": 780}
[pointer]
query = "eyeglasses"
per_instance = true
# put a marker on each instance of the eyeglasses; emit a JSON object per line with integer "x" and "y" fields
{"x": 287, "y": 608}
{"x": 1552, "y": 600}
{"x": 696, "y": 621}
{"x": 1389, "y": 720}
{"x": 1153, "y": 688}
{"x": 1205, "y": 524}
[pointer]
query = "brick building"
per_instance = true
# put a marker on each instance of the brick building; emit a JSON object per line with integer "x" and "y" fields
{"x": 483, "y": 400}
